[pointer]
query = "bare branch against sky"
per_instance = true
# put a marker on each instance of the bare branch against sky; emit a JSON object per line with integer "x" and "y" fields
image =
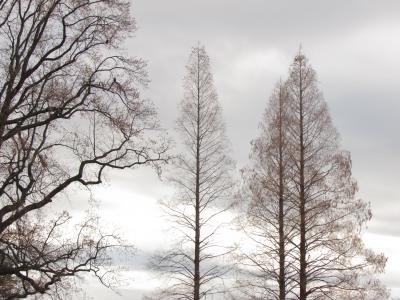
{"x": 75, "y": 121}
{"x": 69, "y": 109}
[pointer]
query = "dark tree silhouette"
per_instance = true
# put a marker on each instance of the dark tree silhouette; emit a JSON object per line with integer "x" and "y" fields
{"x": 69, "y": 109}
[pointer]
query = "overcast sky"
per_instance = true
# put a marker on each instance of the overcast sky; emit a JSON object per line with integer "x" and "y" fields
{"x": 354, "y": 46}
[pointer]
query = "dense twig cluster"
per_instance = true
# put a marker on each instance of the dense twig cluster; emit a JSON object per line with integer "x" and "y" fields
{"x": 69, "y": 109}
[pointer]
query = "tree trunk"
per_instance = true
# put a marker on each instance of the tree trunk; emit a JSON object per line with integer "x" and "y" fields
{"x": 282, "y": 289}
{"x": 303, "y": 263}
{"x": 196, "y": 284}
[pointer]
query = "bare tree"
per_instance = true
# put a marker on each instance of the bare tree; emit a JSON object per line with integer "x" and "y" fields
{"x": 333, "y": 263}
{"x": 202, "y": 177}
{"x": 69, "y": 109}
{"x": 302, "y": 216}
{"x": 267, "y": 264}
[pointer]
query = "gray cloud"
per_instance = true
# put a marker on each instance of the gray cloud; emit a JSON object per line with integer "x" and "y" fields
{"x": 353, "y": 46}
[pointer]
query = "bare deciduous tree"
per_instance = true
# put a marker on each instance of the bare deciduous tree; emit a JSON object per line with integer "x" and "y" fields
{"x": 266, "y": 260}
{"x": 69, "y": 109}
{"x": 302, "y": 212}
{"x": 332, "y": 260}
{"x": 202, "y": 177}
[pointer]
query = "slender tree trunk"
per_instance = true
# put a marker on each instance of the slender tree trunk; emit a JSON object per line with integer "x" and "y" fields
{"x": 303, "y": 263}
{"x": 282, "y": 289}
{"x": 196, "y": 285}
